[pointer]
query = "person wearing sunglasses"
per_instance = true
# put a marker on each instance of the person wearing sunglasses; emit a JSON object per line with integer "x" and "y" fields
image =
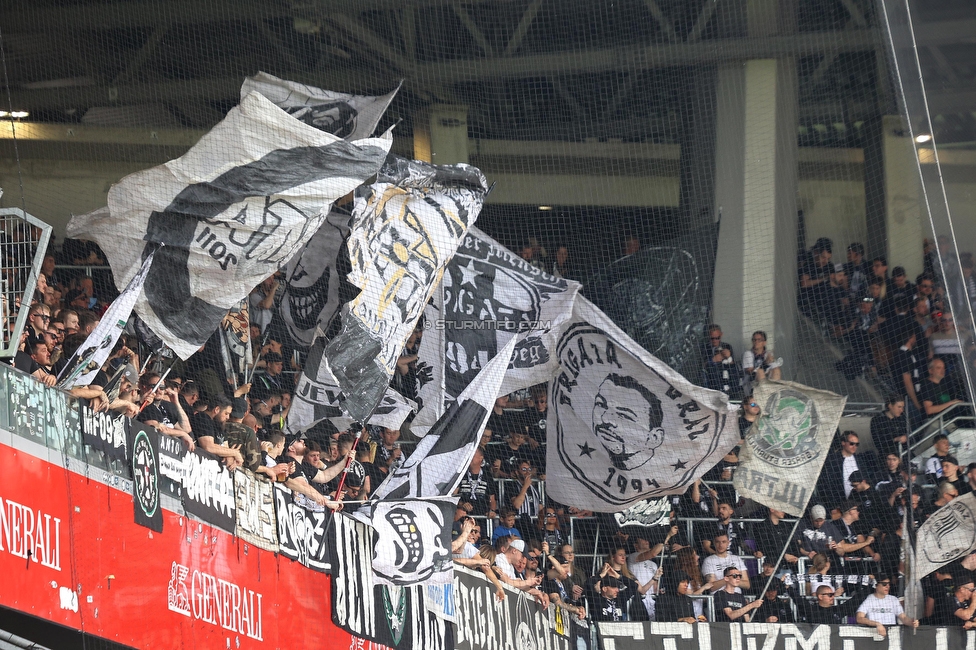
{"x": 721, "y": 372}
{"x": 834, "y": 484}
{"x": 730, "y": 602}
{"x": 960, "y": 605}
{"x": 826, "y": 610}
{"x": 881, "y": 609}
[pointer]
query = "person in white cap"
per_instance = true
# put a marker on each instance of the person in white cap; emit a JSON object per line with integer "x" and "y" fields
{"x": 505, "y": 565}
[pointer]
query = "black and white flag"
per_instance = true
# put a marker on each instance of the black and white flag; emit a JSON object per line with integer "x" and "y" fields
{"x": 487, "y": 296}
{"x": 318, "y": 397}
{"x": 225, "y": 215}
{"x": 254, "y": 498}
{"x": 351, "y": 117}
{"x": 144, "y": 463}
{"x": 106, "y": 432}
{"x": 413, "y": 541}
{"x": 90, "y": 357}
{"x": 301, "y": 532}
{"x": 235, "y": 342}
{"x": 786, "y": 447}
{"x": 435, "y": 467}
{"x": 405, "y": 229}
{"x": 309, "y": 299}
{"x": 948, "y": 535}
{"x": 623, "y": 426}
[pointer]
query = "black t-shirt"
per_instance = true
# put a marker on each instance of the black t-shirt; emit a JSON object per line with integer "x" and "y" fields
{"x": 164, "y": 413}
{"x": 771, "y": 539}
{"x": 723, "y": 599}
{"x": 910, "y": 362}
{"x": 938, "y": 394}
{"x": 203, "y": 426}
{"x": 535, "y": 422}
{"x": 884, "y": 430}
{"x": 477, "y": 490}
{"x": 504, "y": 423}
{"x": 673, "y": 607}
{"x": 510, "y": 458}
{"x": 302, "y": 469}
{"x": 778, "y": 607}
{"x": 604, "y": 609}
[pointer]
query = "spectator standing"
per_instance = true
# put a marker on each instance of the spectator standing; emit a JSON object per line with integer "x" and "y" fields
{"x": 889, "y": 430}
{"x": 815, "y": 279}
{"x": 477, "y": 491}
{"x": 911, "y": 368}
{"x": 857, "y": 269}
{"x": 772, "y": 535}
{"x": 527, "y": 502}
{"x": 208, "y": 431}
{"x": 812, "y": 538}
{"x": 834, "y": 484}
{"x": 933, "y": 466}
{"x": 719, "y": 367}
{"x": 734, "y": 530}
{"x": 676, "y": 604}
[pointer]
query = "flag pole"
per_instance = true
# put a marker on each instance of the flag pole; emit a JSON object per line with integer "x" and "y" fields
{"x": 342, "y": 479}
{"x": 909, "y": 522}
{"x": 159, "y": 383}
{"x": 782, "y": 553}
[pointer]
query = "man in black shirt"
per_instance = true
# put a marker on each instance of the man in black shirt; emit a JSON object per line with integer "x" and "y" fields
{"x": 774, "y": 609}
{"x": 477, "y": 490}
{"x": 938, "y": 393}
{"x": 609, "y": 606}
{"x": 208, "y": 429}
{"x": 826, "y": 612}
{"x": 163, "y": 411}
{"x": 772, "y": 536}
{"x": 959, "y": 607}
{"x": 730, "y": 602}
{"x": 890, "y": 429}
{"x": 303, "y": 474}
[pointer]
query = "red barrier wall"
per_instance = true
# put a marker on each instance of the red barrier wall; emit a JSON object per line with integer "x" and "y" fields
{"x": 192, "y": 586}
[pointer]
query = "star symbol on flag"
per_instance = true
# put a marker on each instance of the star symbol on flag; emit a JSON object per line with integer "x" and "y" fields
{"x": 469, "y": 273}
{"x": 679, "y": 465}
{"x": 586, "y": 450}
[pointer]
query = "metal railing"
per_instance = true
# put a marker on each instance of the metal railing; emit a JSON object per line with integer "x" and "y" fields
{"x": 924, "y": 433}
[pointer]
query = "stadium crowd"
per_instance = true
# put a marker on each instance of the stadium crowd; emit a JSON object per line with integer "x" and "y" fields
{"x": 711, "y": 555}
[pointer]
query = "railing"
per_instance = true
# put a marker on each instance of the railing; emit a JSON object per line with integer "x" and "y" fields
{"x": 937, "y": 424}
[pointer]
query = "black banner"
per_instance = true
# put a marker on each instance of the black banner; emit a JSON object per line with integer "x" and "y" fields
{"x": 106, "y": 432}
{"x": 144, "y": 447}
{"x": 396, "y": 617}
{"x": 208, "y": 490}
{"x": 172, "y": 470}
{"x": 482, "y": 623}
{"x": 772, "y": 636}
{"x": 301, "y": 532}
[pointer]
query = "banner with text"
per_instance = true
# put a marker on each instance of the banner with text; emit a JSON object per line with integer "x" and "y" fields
{"x": 254, "y": 498}
{"x": 105, "y": 432}
{"x": 301, "y": 532}
{"x": 200, "y": 480}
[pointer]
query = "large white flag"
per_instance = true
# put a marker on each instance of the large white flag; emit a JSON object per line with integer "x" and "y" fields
{"x": 948, "y": 535}
{"x": 90, "y": 357}
{"x": 487, "y": 296}
{"x": 351, "y": 117}
{"x": 623, "y": 426}
{"x": 229, "y": 213}
{"x": 786, "y": 447}
{"x": 406, "y": 227}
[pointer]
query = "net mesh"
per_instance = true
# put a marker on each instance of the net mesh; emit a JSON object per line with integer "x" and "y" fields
{"x": 789, "y": 176}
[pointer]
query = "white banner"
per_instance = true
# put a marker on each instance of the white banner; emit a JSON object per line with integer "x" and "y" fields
{"x": 623, "y": 426}
{"x": 256, "y": 523}
{"x": 786, "y": 447}
{"x": 413, "y": 541}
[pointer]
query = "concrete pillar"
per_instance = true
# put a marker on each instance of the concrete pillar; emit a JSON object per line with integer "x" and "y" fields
{"x": 440, "y": 134}
{"x": 905, "y": 222}
{"x": 755, "y": 193}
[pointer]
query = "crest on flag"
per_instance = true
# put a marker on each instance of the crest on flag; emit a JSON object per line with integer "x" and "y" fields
{"x": 488, "y": 295}
{"x": 786, "y": 447}
{"x": 626, "y": 426}
{"x": 948, "y": 535}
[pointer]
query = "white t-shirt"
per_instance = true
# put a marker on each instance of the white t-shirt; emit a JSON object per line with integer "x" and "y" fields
{"x": 716, "y": 565}
{"x": 502, "y": 563}
{"x": 881, "y": 610}
{"x": 644, "y": 572}
{"x": 850, "y": 466}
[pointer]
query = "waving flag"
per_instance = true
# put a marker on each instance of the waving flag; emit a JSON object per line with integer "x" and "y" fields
{"x": 406, "y": 227}
{"x": 786, "y": 447}
{"x": 351, "y": 117}
{"x": 624, "y": 426}
{"x": 224, "y": 216}
{"x": 318, "y": 397}
{"x": 489, "y": 295}
{"x": 91, "y": 356}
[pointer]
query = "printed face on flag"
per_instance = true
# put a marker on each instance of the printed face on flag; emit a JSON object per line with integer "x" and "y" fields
{"x": 627, "y": 420}
{"x": 622, "y": 429}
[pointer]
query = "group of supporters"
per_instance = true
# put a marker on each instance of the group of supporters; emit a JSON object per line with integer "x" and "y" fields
{"x": 509, "y": 527}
